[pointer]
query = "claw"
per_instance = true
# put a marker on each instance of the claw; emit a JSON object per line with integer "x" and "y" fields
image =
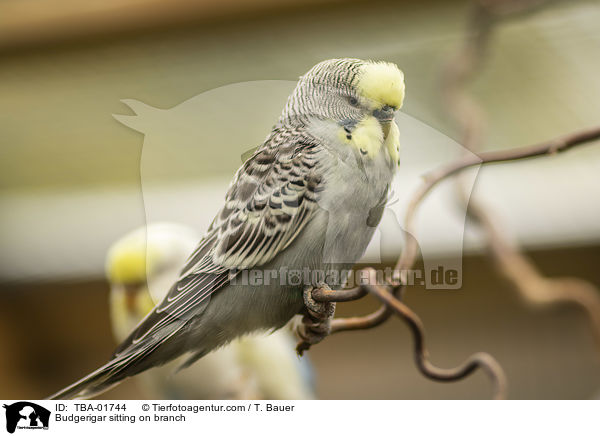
{"x": 316, "y": 322}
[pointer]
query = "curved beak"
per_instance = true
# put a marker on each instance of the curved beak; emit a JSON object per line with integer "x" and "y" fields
{"x": 385, "y": 116}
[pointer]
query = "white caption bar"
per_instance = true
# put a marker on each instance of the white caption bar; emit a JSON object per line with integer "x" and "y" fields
{"x": 300, "y": 417}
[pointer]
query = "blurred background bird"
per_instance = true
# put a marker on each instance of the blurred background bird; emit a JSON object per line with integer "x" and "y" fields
{"x": 139, "y": 267}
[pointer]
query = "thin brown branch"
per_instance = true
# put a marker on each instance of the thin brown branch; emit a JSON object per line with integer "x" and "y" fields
{"x": 470, "y": 117}
{"x": 374, "y": 319}
{"x": 534, "y": 288}
{"x": 364, "y": 322}
{"x": 428, "y": 369}
{"x": 394, "y": 305}
{"x": 550, "y": 147}
{"x": 326, "y": 295}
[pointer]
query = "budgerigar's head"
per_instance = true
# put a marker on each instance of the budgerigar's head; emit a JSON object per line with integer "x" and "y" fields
{"x": 352, "y": 93}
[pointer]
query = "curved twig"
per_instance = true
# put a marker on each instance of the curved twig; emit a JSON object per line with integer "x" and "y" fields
{"x": 552, "y": 146}
{"x": 364, "y": 322}
{"x": 428, "y": 369}
{"x": 533, "y": 287}
{"x": 391, "y": 305}
{"x": 470, "y": 117}
{"x": 326, "y": 295}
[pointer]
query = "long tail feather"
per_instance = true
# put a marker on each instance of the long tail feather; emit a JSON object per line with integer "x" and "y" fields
{"x": 91, "y": 385}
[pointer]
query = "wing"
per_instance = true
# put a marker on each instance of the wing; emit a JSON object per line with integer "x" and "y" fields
{"x": 270, "y": 200}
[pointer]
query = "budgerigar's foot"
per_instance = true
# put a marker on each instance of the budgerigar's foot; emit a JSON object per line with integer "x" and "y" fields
{"x": 316, "y": 322}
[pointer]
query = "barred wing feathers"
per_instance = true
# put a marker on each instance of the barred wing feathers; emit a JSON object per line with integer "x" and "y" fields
{"x": 270, "y": 200}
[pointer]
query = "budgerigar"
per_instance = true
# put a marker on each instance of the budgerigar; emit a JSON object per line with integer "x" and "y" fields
{"x": 309, "y": 199}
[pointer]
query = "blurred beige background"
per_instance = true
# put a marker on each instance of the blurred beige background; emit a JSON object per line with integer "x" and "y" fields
{"x": 70, "y": 173}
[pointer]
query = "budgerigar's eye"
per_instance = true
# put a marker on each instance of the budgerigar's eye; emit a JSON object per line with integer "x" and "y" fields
{"x": 353, "y": 101}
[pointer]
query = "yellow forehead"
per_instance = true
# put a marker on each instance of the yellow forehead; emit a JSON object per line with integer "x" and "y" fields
{"x": 382, "y": 83}
{"x": 127, "y": 263}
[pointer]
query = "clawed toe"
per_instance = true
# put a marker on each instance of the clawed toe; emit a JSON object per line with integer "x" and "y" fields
{"x": 316, "y": 322}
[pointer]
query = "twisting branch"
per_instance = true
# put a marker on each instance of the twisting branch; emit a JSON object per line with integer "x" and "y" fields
{"x": 364, "y": 322}
{"x": 353, "y": 323}
{"x": 324, "y": 295}
{"x": 470, "y": 117}
{"x": 551, "y": 147}
{"x": 535, "y": 289}
{"x": 428, "y": 369}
